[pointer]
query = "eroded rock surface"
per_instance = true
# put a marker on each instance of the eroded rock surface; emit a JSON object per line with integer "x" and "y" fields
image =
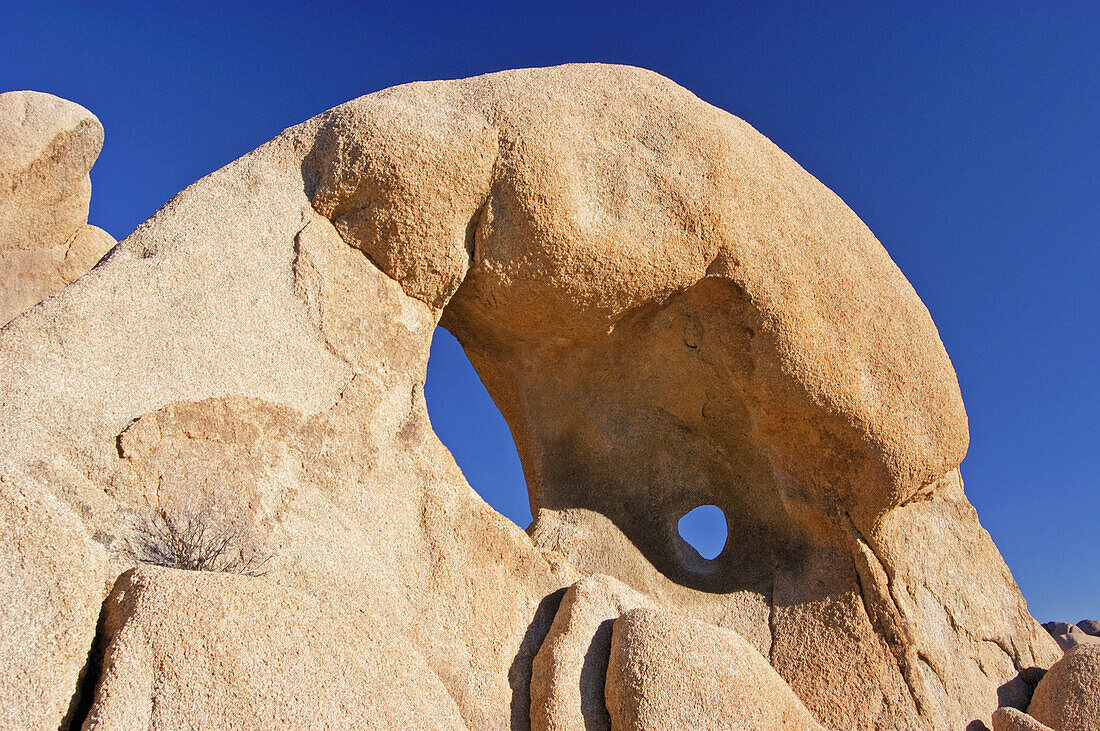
{"x": 1013, "y": 719}
{"x": 567, "y": 680}
{"x": 1070, "y": 635}
{"x": 668, "y": 311}
{"x": 52, "y": 578}
{"x": 199, "y": 649}
{"x": 671, "y": 673}
{"x": 47, "y": 147}
{"x": 1068, "y": 696}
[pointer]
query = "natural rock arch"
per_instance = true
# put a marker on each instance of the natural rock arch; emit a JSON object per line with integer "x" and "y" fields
{"x": 667, "y": 310}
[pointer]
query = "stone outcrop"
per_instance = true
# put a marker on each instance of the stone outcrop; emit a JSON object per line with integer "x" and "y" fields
{"x": 47, "y": 147}
{"x": 668, "y": 311}
{"x": 1071, "y": 635}
{"x": 199, "y": 649}
{"x": 670, "y": 673}
{"x": 1013, "y": 719}
{"x": 1060, "y": 628}
{"x": 52, "y": 578}
{"x": 1067, "y": 698}
{"x": 567, "y": 679}
{"x": 1090, "y": 627}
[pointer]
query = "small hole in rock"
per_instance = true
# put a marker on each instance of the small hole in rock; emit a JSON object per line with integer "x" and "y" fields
{"x": 704, "y": 529}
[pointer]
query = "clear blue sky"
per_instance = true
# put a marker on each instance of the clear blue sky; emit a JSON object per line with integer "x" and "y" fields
{"x": 966, "y": 135}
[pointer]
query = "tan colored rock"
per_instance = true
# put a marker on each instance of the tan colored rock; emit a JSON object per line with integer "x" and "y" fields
{"x": 668, "y": 311}
{"x": 722, "y": 352}
{"x": 28, "y": 276}
{"x": 1061, "y": 628}
{"x": 1012, "y": 719}
{"x": 933, "y": 570}
{"x": 569, "y": 672}
{"x": 191, "y": 649}
{"x": 47, "y": 147}
{"x": 1067, "y": 698}
{"x": 667, "y": 672}
{"x": 352, "y": 494}
{"x": 1073, "y": 639}
{"x": 1069, "y": 635}
{"x": 52, "y": 578}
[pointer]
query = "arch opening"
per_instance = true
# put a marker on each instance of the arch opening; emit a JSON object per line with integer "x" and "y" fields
{"x": 704, "y": 529}
{"x": 469, "y": 424}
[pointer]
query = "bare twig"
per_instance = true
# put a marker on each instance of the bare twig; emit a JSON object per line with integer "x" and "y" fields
{"x": 196, "y": 542}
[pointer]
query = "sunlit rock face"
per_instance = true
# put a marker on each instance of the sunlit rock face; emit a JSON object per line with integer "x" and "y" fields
{"x": 669, "y": 313}
{"x": 1066, "y": 696}
{"x": 47, "y": 147}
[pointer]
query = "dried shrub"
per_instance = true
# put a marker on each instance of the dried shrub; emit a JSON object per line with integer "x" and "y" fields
{"x": 195, "y": 541}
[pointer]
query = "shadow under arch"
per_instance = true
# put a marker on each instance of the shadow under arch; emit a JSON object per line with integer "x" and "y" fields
{"x": 639, "y": 426}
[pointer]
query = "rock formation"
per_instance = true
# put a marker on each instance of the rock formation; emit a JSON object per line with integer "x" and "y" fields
{"x": 1070, "y": 635}
{"x": 668, "y": 311}
{"x": 671, "y": 673}
{"x": 292, "y": 661}
{"x": 1013, "y": 719}
{"x": 1090, "y": 627}
{"x": 47, "y": 147}
{"x": 569, "y": 672}
{"x": 1068, "y": 696}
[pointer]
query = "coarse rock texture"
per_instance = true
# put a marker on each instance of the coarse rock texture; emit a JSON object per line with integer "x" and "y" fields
{"x": 666, "y": 672}
{"x": 1068, "y": 696}
{"x": 52, "y": 577}
{"x": 567, "y": 679}
{"x": 47, "y": 147}
{"x": 321, "y": 446}
{"x": 28, "y": 276}
{"x": 668, "y": 311}
{"x": 1012, "y": 719}
{"x": 197, "y": 649}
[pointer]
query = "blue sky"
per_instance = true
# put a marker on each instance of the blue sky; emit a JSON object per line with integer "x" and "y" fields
{"x": 966, "y": 135}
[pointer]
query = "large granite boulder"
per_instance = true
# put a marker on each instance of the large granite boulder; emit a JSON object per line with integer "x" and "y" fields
{"x": 1013, "y": 719}
{"x": 53, "y": 578}
{"x": 670, "y": 673}
{"x": 1090, "y": 627}
{"x": 669, "y": 312}
{"x": 1068, "y": 696}
{"x": 201, "y": 649}
{"x": 569, "y": 672}
{"x": 47, "y": 147}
